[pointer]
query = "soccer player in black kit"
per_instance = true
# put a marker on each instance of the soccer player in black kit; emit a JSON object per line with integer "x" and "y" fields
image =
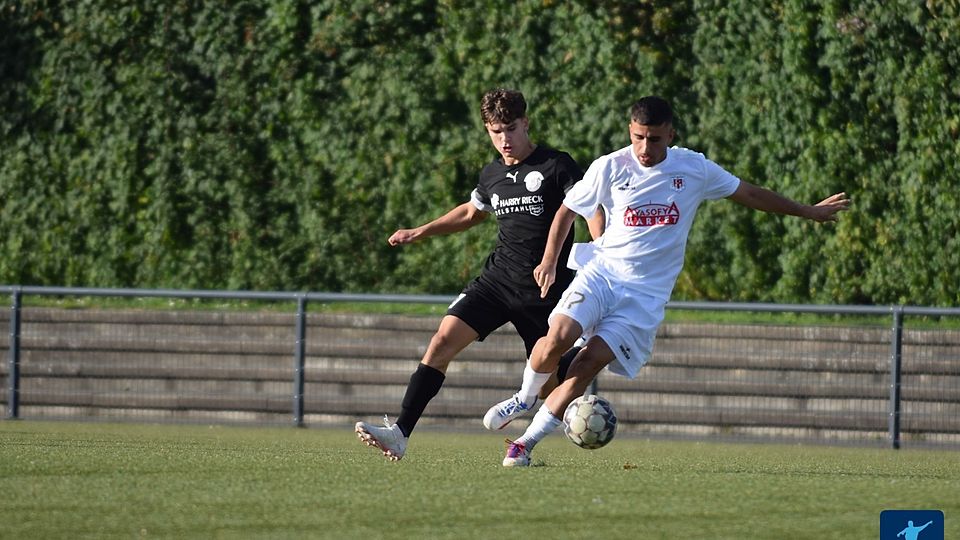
{"x": 524, "y": 186}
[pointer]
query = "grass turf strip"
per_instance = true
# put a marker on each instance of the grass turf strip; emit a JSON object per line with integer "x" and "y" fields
{"x": 88, "y": 480}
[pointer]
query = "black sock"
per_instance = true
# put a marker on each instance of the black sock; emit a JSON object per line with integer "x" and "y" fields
{"x": 565, "y": 362}
{"x": 424, "y": 384}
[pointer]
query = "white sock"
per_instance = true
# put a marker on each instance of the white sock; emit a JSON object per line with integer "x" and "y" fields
{"x": 532, "y": 382}
{"x": 543, "y": 424}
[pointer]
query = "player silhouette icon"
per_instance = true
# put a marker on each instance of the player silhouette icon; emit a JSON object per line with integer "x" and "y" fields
{"x": 910, "y": 532}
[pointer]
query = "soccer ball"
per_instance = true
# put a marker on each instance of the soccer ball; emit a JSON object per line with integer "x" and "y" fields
{"x": 590, "y": 422}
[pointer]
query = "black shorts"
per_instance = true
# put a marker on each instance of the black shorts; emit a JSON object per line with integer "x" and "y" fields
{"x": 486, "y": 306}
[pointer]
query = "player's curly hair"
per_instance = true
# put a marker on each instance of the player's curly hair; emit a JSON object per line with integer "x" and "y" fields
{"x": 502, "y": 106}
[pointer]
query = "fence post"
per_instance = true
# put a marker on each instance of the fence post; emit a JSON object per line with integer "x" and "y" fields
{"x": 13, "y": 373}
{"x": 299, "y": 360}
{"x": 896, "y": 350}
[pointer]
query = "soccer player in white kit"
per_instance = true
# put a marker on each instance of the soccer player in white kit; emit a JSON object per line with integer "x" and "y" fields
{"x": 523, "y": 187}
{"x": 650, "y": 192}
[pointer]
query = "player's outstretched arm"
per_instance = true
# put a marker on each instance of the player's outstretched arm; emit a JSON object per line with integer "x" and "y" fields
{"x": 827, "y": 209}
{"x": 766, "y": 200}
{"x": 546, "y": 272}
{"x": 459, "y": 219}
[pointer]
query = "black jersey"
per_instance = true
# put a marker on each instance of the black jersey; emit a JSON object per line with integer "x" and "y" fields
{"x": 525, "y": 198}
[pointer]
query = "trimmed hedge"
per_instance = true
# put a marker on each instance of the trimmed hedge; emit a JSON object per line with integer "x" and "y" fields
{"x": 275, "y": 145}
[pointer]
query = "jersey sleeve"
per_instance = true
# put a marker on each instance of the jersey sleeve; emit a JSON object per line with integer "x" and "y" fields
{"x": 480, "y": 196}
{"x": 720, "y": 183}
{"x": 568, "y": 172}
{"x": 589, "y": 193}
{"x": 481, "y": 201}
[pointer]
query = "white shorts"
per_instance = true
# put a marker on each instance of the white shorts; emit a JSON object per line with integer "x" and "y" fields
{"x": 625, "y": 318}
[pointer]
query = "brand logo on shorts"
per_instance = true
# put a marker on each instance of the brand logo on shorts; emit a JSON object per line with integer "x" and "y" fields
{"x": 652, "y": 215}
{"x": 625, "y": 351}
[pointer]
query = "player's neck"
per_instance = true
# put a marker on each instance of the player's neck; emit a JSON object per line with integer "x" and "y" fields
{"x": 514, "y": 160}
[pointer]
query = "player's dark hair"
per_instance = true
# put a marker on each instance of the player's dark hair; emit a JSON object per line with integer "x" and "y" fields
{"x": 651, "y": 111}
{"x": 502, "y": 106}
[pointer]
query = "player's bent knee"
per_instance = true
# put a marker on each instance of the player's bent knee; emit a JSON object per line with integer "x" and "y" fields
{"x": 556, "y": 345}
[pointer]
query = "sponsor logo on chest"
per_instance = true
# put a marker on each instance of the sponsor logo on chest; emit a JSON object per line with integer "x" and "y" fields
{"x": 651, "y": 215}
{"x": 529, "y": 204}
{"x": 532, "y": 204}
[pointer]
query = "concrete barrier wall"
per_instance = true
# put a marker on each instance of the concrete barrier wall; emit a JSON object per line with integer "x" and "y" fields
{"x": 769, "y": 382}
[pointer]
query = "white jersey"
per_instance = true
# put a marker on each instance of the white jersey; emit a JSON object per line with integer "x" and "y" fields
{"x": 649, "y": 212}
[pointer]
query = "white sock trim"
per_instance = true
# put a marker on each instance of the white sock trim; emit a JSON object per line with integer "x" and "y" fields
{"x": 543, "y": 424}
{"x": 532, "y": 382}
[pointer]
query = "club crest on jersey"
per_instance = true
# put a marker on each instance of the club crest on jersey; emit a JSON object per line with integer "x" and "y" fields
{"x": 533, "y": 181}
{"x": 652, "y": 215}
{"x": 677, "y": 184}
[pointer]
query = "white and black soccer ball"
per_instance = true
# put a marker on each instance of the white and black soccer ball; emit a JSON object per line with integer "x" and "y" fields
{"x": 590, "y": 422}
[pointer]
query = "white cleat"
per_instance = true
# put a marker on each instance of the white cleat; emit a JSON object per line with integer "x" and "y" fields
{"x": 517, "y": 455}
{"x": 504, "y": 412}
{"x": 389, "y": 439}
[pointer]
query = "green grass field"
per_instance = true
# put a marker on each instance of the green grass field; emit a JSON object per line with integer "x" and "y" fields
{"x": 89, "y": 480}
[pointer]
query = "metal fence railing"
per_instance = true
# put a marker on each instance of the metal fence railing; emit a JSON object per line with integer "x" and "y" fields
{"x": 279, "y": 362}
